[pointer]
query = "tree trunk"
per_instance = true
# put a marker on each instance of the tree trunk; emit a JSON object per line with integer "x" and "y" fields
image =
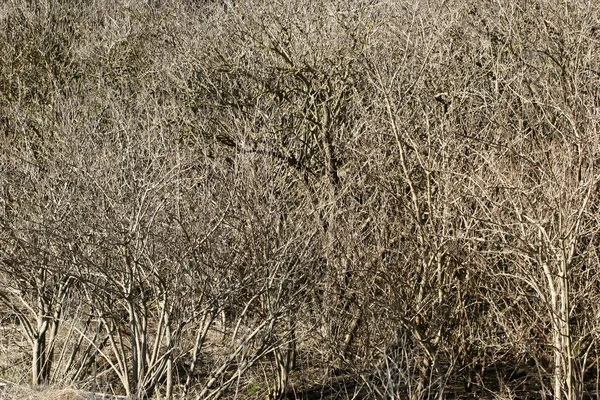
{"x": 39, "y": 370}
{"x": 38, "y": 360}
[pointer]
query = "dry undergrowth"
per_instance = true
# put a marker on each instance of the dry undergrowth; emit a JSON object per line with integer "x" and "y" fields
{"x": 13, "y": 392}
{"x": 398, "y": 197}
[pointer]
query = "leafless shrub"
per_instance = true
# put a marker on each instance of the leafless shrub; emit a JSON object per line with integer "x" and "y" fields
{"x": 387, "y": 199}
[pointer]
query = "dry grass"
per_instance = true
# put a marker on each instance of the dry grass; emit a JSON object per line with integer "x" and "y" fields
{"x": 10, "y": 391}
{"x": 14, "y": 392}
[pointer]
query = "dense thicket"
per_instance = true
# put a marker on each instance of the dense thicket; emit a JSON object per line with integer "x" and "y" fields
{"x": 301, "y": 199}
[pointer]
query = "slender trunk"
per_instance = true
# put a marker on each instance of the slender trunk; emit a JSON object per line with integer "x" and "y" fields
{"x": 566, "y": 331}
{"x": 169, "y": 377}
{"x": 39, "y": 354}
{"x": 133, "y": 381}
{"x": 200, "y": 336}
{"x": 558, "y": 355}
{"x": 285, "y": 359}
{"x": 49, "y": 357}
{"x": 281, "y": 361}
{"x": 292, "y": 347}
{"x": 38, "y": 362}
